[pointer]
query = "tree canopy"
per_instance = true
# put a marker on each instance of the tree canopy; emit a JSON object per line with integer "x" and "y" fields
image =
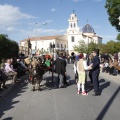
{"x": 8, "y": 48}
{"x": 110, "y": 47}
{"x": 81, "y": 47}
{"x": 118, "y": 37}
{"x": 113, "y": 10}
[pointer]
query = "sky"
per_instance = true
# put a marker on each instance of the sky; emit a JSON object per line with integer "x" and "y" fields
{"x": 20, "y": 19}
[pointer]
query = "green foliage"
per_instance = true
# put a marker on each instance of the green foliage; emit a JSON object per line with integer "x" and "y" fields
{"x": 110, "y": 47}
{"x": 118, "y": 37}
{"x": 92, "y": 46}
{"x": 81, "y": 47}
{"x": 113, "y": 10}
{"x": 8, "y": 48}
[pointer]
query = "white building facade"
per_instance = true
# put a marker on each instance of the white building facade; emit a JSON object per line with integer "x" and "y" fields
{"x": 74, "y": 33}
{"x": 68, "y": 40}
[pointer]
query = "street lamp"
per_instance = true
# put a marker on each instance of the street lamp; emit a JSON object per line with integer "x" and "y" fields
{"x": 37, "y": 31}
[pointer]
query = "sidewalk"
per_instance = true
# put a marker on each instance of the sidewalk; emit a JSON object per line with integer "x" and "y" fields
{"x": 10, "y": 86}
{"x": 110, "y": 77}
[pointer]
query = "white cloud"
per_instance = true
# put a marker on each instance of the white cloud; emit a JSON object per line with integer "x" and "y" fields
{"x": 53, "y": 9}
{"x": 11, "y": 29}
{"x": 10, "y": 15}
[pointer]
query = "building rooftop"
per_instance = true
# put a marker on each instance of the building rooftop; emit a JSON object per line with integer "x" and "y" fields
{"x": 88, "y": 29}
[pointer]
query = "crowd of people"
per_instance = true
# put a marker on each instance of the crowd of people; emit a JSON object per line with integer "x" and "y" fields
{"x": 11, "y": 67}
{"x": 91, "y": 64}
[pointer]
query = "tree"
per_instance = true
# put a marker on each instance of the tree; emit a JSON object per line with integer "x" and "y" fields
{"x": 81, "y": 47}
{"x": 118, "y": 37}
{"x": 8, "y": 48}
{"x": 113, "y": 10}
{"x": 92, "y": 46}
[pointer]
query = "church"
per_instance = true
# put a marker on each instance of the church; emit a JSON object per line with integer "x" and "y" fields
{"x": 62, "y": 42}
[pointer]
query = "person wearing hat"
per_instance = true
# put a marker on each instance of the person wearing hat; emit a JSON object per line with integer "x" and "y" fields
{"x": 81, "y": 67}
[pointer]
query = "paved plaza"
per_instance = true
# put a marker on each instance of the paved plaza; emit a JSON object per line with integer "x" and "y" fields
{"x": 20, "y": 103}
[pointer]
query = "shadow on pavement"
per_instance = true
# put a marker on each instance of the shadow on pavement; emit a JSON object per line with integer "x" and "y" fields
{"x": 8, "y": 101}
{"x": 9, "y": 118}
{"x": 102, "y": 84}
{"x": 107, "y": 106}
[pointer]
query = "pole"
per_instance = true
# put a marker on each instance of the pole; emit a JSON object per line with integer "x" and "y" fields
{"x": 36, "y": 37}
{"x": 37, "y": 31}
{"x": 53, "y": 46}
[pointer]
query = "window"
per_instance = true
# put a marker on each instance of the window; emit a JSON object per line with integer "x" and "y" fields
{"x": 74, "y": 25}
{"x": 72, "y": 39}
{"x": 57, "y": 45}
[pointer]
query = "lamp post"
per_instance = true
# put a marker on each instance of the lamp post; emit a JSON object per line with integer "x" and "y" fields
{"x": 37, "y": 32}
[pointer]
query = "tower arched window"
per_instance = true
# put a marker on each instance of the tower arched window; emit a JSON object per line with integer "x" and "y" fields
{"x": 72, "y": 39}
{"x": 71, "y": 25}
{"x": 74, "y": 25}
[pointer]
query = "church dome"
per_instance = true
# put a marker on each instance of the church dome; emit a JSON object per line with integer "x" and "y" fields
{"x": 88, "y": 29}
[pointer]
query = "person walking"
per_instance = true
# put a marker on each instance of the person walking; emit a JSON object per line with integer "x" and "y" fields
{"x": 60, "y": 69}
{"x": 95, "y": 72}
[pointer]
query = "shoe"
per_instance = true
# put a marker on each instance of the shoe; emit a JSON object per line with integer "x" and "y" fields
{"x": 62, "y": 87}
{"x": 84, "y": 93}
{"x": 5, "y": 87}
{"x": 16, "y": 81}
{"x": 78, "y": 92}
{"x": 97, "y": 94}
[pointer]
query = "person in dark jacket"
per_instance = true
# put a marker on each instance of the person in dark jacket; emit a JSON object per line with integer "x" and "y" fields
{"x": 95, "y": 72}
{"x": 89, "y": 60}
{"x": 64, "y": 79}
{"x": 60, "y": 69}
